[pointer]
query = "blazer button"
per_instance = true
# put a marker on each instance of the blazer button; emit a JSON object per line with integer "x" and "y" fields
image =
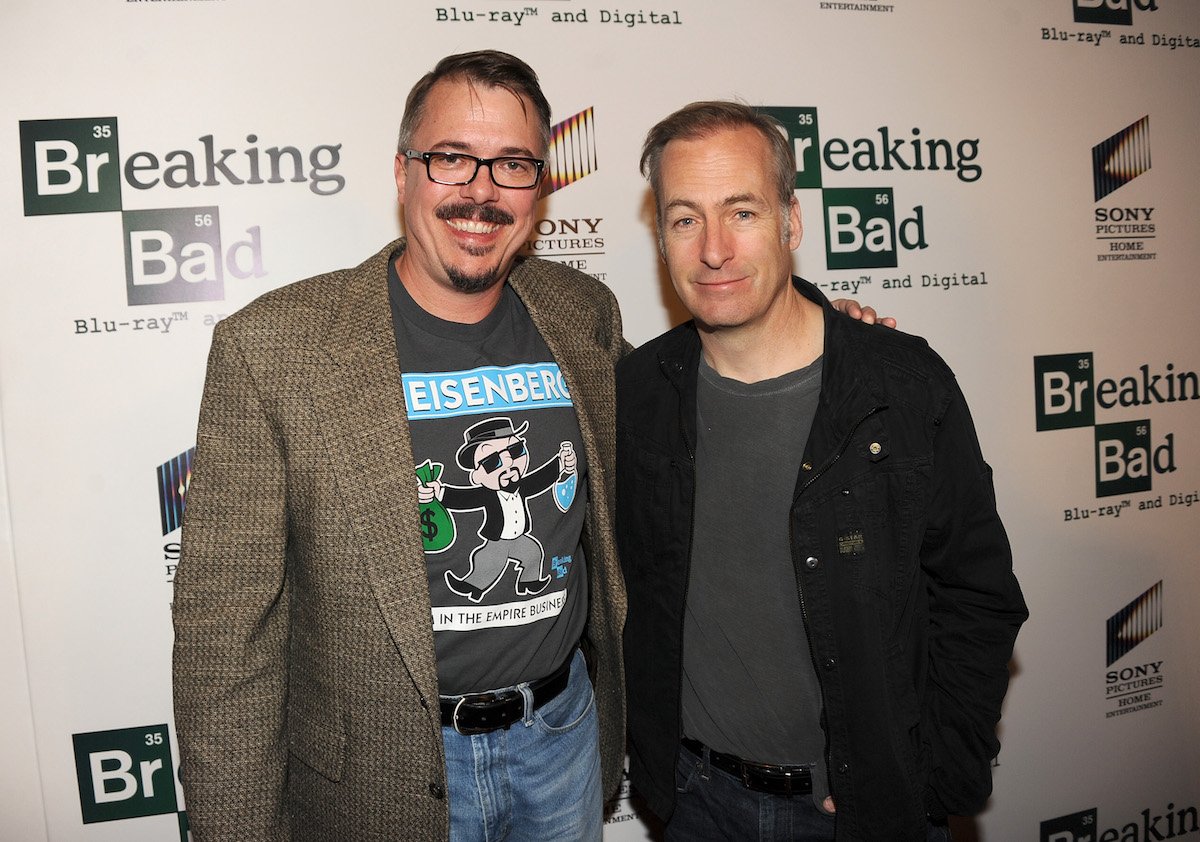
{"x": 843, "y": 768}
{"x": 811, "y": 563}
{"x": 435, "y": 789}
{"x": 830, "y": 663}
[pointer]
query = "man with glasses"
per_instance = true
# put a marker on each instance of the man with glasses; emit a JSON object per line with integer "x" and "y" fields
{"x": 350, "y": 662}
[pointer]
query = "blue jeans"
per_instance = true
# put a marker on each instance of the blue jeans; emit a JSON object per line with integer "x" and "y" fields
{"x": 713, "y": 806}
{"x": 535, "y": 781}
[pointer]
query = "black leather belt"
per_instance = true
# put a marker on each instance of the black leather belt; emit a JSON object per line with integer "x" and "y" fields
{"x": 479, "y": 713}
{"x": 760, "y": 777}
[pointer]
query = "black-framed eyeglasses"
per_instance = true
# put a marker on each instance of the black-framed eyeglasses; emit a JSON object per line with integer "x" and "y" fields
{"x": 492, "y": 462}
{"x": 512, "y": 171}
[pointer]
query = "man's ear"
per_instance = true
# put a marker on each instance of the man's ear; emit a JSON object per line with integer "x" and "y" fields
{"x": 401, "y": 169}
{"x": 797, "y": 224}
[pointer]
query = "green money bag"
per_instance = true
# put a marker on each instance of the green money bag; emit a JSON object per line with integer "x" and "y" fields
{"x": 437, "y": 527}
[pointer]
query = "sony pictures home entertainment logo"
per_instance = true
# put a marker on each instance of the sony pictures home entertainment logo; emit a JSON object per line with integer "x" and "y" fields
{"x": 1133, "y": 688}
{"x": 575, "y": 241}
{"x": 1124, "y": 231}
{"x": 172, "y": 255}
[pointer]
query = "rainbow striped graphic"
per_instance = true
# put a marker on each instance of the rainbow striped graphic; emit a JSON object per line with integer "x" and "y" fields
{"x": 572, "y": 151}
{"x": 174, "y": 477}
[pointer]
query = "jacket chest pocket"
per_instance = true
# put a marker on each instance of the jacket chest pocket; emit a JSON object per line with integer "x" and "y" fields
{"x": 870, "y": 515}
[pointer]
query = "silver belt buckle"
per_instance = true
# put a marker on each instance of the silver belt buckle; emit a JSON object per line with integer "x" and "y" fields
{"x": 454, "y": 717}
{"x": 458, "y": 705}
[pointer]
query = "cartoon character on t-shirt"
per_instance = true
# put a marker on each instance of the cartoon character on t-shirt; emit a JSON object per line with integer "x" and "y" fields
{"x": 496, "y": 460}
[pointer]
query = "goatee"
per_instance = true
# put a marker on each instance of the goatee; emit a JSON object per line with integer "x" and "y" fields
{"x": 472, "y": 284}
{"x": 480, "y": 281}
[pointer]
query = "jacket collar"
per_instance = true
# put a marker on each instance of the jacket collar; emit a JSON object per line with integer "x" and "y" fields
{"x": 850, "y": 386}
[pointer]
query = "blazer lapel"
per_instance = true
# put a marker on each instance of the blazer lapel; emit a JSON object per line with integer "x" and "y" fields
{"x": 360, "y": 402}
{"x": 589, "y": 375}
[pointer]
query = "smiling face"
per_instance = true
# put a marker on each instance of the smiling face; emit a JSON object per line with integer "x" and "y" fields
{"x": 500, "y": 463}
{"x": 723, "y": 229}
{"x": 462, "y": 239}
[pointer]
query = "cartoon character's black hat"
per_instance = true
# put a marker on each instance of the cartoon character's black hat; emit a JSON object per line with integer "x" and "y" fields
{"x": 489, "y": 430}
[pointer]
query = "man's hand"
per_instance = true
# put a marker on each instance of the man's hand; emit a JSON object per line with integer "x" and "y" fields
{"x": 867, "y": 314}
{"x": 828, "y": 802}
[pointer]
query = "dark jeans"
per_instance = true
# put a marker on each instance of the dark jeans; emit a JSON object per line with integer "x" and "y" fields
{"x": 713, "y": 806}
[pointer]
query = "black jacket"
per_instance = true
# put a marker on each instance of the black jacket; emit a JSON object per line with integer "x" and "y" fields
{"x": 904, "y": 572}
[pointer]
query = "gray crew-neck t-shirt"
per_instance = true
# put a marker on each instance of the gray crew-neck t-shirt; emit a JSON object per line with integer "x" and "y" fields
{"x": 749, "y": 687}
{"x": 507, "y": 574}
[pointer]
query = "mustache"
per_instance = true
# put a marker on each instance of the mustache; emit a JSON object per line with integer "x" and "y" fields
{"x": 480, "y": 213}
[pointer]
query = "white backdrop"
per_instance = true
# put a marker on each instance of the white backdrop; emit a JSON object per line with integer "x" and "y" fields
{"x": 1004, "y": 266}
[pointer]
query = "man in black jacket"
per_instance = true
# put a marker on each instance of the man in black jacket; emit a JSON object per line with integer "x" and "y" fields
{"x": 821, "y": 598}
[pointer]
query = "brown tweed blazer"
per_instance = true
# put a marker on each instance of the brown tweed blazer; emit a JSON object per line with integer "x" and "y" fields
{"x": 304, "y": 673}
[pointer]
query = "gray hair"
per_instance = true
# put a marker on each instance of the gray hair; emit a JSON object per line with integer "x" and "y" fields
{"x": 702, "y": 119}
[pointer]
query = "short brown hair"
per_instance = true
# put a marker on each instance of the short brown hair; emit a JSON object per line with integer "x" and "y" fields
{"x": 490, "y": 68}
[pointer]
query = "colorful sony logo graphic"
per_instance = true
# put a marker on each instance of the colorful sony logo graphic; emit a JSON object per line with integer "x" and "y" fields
{"x": 572, "y": 241}
{"x": 1110, "y": 12}
{"x": 1066, "y": 395}
{"x": 174, "y": 478}
{"x": 572, "y": 153}
{"x": 861, "y": 228}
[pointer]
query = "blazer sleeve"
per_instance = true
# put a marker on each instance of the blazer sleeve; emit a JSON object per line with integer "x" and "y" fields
{"x": 230, "y": 613}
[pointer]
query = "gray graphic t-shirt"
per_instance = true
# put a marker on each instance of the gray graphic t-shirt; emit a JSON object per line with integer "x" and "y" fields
{"x": 502, "y": 474}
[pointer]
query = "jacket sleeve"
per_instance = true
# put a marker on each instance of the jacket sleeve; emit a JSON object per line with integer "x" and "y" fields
{"x": 230, "y": 614}
{"x": 975, "y": 610}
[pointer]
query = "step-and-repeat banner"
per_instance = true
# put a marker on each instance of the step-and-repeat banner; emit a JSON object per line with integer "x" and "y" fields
{"x": 1016, "y": 180}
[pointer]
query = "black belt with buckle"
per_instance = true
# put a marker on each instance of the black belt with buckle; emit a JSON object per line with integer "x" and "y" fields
{"x": 479, "y": 713}
{"x": 760, "y": 777}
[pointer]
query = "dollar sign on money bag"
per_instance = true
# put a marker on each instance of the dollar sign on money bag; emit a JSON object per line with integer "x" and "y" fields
{"x": 437, "y": 527}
